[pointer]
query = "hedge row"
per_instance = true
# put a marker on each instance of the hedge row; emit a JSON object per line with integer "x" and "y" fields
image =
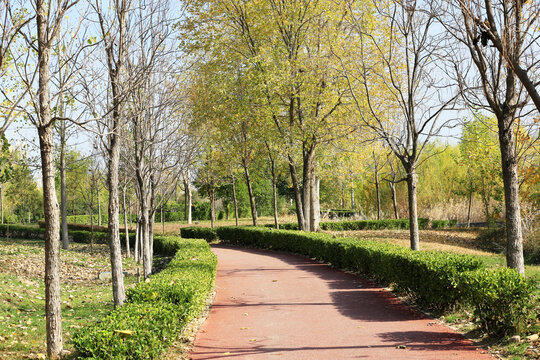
{"x": 21, "y": 231}
{"x": 198, "y": 232}
{"x": 503, "y": 300}
{"x": 155, "y": 312}
{"x": 84, "y": 227}
{"x": 423, "y": 223}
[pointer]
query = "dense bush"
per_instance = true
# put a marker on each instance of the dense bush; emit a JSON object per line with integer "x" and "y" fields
{"x": 21, "y": 231}
{"x": 438, "y": 280}
{"x": 85, "y": 219}
{"x": 198, "y": 232}
{"x": 85, "y": 237}
{"x": 155, "y": 312}
{"x": 502, "y": 299}
{"x": 423, "y": 223}
{"x": 441, "y": 224}
{"x": 83, "y": 227}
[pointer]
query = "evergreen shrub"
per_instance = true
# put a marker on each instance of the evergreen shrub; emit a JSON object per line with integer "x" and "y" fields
{"x": 198, "y": 232}
{"x": 156, "y": 312}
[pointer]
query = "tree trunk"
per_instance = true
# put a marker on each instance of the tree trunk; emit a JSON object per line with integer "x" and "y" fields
{"x": 378, "y": 195}
{"x": 92, "y": 227}
{"x": 137, "y": 238}
{"x": 212, "y": 206}
{"x": 53, "y": 312}
{"x": 151, "y": 222}
{"x": 353, "y": 205}
{"x": 514, "y": 236}
{"x": 412, "y": 183}
{"x": 126, "y": 229}
{"x": 250, "y": 191}
{"x": 274, "y": 190}
{"x": 306, "y": 195}
{"x": 162, "y": 220}
{"x": 469, "y": 210}
{"x": 63, "y": 195}
{"x": 297, "y": 194}
{"x": 315, "y": 216}
{"x": 307, "y": 186}
{"x": 115, "y": 248}
{"x": 144, "y": 234}
{"x": 152, "y": 218}
{"x": 98, "y": 206}
{"x": 394, "y": 198}
{"x": 187, "y": 189}
{"x": 235, "y": 200}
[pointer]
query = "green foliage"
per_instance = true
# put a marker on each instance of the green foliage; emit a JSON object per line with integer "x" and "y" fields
{"x": 197, "y": 232}
{"x": 481, "y": 156}
{"x": 83, "y": 227}
{"x": 423, "y": 223}
{"x": 22, "y": 231}
{"x": 438, "y": 280}
{"x": 441, "y": 224}
{"x": 155, "y": 312}
{"x": 85, "y": 237}
{"x": 85, "y": 219}
{"x": 503, "y": 299}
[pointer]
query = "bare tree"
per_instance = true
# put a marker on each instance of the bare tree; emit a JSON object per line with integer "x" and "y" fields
{"x": 40, "y": 38}
{"x": 395, "y": 71}
{"x": 490, "y": 38}
{"x": 113, "y": 27}
{"x": 510, "y": 27}
{"x": 12, "y": 21}
{"x": 154, "y": 123}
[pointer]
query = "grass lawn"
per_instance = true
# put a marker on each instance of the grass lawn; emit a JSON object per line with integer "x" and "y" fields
{"x": 85, "y": 299}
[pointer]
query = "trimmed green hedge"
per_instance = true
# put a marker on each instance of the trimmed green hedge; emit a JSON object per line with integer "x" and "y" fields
{"x": 423, "y": 223}
{"x": 22, "y": 231}
{"x": 441, "y": 224}
{"x": 155, "y": 312}
{"x": 84, "y": 227}
{"x": 198, "y": 232}
{"x": 438, "y": 280}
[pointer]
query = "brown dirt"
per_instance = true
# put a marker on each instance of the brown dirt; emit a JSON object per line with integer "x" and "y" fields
{"x": 24, "y": 258}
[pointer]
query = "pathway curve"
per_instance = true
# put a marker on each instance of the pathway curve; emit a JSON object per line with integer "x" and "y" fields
{"x": 272, "y": 305}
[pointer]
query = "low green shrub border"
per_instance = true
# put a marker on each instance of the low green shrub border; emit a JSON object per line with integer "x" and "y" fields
{"x": 423, "y": 223}
{"x": 83, "y": 227}
{"x": 502, "y": 299}
{"x": 198, "y": 232}
{"x": 438, "y": 280}
{"x": 21, "y": 231}
{"x": 155, "y": 312}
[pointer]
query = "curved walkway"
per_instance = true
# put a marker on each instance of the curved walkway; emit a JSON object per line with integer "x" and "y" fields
{"x": 277, "y": 306}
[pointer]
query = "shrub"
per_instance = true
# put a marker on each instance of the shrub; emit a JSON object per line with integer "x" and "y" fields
{"x": 198, "y": 232}
{"x": 85, "y": 237}
{"x": 439, "y": 224}
{"x": 84, "y": 227}
{"x": 503, "y": 300}
{"x": 360, "y": 224}
{"x": 21, "y": 231}
{"x": 155, "y": 312}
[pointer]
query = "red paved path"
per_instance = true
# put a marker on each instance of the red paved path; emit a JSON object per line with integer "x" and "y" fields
{"x": 278, "y": 306}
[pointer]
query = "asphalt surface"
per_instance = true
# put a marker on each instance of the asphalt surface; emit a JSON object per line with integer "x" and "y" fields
{"x": 272, "y": 305}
